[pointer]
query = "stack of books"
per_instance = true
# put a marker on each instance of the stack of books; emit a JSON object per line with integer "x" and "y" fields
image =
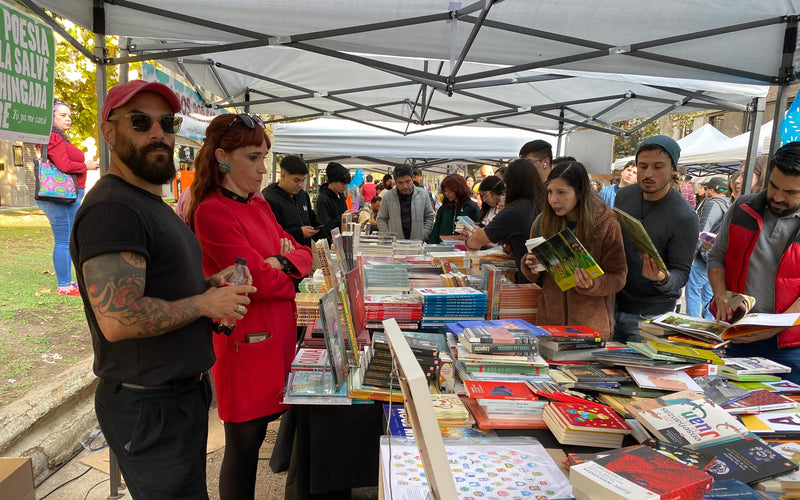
{"x": 585, "y": 424}
{"x": 498, "y": 340}
{"x": 670, "y": 351}
{"x": 307, "y": 308}
{"x": 504, "y": 405}
{"x": 447, "y": 305}
{"x": 310, "y": 284}
{"x": 379, "y": 368}
{"x": 401, "y": 248}
{"x": 375, "y": 245}
{"x": 450, "y": 411}
{"x": 385, "y": 278}
{"x": 405, "y": 308}
{"x": 456, "y": 258}
{"x": 519, "y": 301}
{"x": 424, "y": 275}
{"x": 569, "y": 343}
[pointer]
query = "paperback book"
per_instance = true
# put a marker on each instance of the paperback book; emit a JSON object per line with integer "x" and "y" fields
{"x": 721, "y": 330}
{"x": 561, "y": 255}
{"x": 639, "y": 473}
{"x": 747, "y": 459}
{"x": 639, "y": 238}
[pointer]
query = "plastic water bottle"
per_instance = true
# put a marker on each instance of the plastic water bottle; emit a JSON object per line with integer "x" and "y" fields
{"x": 237, "y": 277}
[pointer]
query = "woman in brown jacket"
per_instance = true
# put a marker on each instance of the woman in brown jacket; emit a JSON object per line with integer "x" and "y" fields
{"x": 572, "y": 203}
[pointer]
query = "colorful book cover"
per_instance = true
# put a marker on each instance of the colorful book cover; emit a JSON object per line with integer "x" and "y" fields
{"x": 748, "y": 459}
{"x": 667, "y": 380}
{"x": 758, "y": 401}
{"x": 692, "y": 424}
{"x": 561, "y": 254}
{"x": 570, "y": 331}
{"x": 693, "y": 458}
{"x": 498, "y": 335}
{"x": 589, "y": 417}
{"x": 311, "y": 359}
{"x": 639, "y": 238}
{"x": 477, "y": 389}
{"x": 657, "y": 472}
{"x": 686, "y": 352}
{"x": 753, "y": 365}
{"x": 595, "y": 373}
{"x": 334, "y": 337}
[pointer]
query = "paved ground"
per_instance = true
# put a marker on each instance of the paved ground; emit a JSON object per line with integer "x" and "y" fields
{"x": 76, "y": 480}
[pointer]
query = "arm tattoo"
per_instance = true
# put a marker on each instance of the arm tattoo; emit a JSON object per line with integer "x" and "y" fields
{"x": 115, "y": 283}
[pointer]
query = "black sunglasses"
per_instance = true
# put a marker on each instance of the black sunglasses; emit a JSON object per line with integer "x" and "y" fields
{"x": 249, "y": 121}
{"x": 142, "y": 122}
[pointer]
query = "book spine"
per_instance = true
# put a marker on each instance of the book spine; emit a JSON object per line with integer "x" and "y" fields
{"x": 494, "y": 348}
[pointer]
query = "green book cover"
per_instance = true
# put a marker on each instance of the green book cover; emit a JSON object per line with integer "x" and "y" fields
{"x": 639, "y": 238}
{"x": 561, "y": 254}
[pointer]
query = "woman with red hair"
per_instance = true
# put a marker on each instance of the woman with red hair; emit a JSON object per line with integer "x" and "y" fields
{"x": 230, "y": 222}
{"x": 457, "y": 201}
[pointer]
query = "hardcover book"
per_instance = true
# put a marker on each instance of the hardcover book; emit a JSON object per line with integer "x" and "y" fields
{"x": 585, "y": 424}
{"x": 311, "y": 360}
{"x": 570, "y": 331}
{"x": 758, "y": 401}
{"x": 561, "y": 255}
{"x": 499, "y": 336}
{"x": 754, "y": 365}
{"x": 595, "y": 373}
{"x": 640, "y": 473}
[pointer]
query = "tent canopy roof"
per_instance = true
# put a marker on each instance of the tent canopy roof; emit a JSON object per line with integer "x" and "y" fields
{"x": 511, "y": 63}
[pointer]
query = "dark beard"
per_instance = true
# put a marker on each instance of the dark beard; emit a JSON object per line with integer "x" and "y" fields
{"x": 159, "y": 170}
{"x": 781, "y": 212}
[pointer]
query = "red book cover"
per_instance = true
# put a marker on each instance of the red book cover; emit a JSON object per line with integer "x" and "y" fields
{"x": 483, "y": 421}
{"x": 481, "y": 389}
{"x": 570, "y": 331}
{"x": 658, "y": 473}
{"x": 589, "y": 417}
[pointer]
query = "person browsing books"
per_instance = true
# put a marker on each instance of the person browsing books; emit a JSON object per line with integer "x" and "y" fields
{"x": 290, "y": 203}
{"x": 406, "y": 210}
{"x": 757, "y": 252}
{"x": 672, "y": 226}
{"x": 571, "y": 203}
{"x": 457, "y": 202}
{"x": 711, "y": 212}
{"x": 332, "y": 199}
{"x": 491, "y": 191}
{"x": 230, "y": 222}
{"x": 525, "y": 196}
{"x": 148, "y": 306}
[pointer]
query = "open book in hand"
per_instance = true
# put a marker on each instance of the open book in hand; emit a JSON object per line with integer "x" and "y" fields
{"x": 721, "y": 330}
{"x": 639, "y": 238}
{"x": 561, "y": 254}
{"x": 740, "y": 303}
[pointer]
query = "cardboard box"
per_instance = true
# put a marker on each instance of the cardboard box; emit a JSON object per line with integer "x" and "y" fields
{"x": 16, "y": 479}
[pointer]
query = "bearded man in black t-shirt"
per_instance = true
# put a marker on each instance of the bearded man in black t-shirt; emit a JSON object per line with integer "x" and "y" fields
{"x": 139, "y": 271}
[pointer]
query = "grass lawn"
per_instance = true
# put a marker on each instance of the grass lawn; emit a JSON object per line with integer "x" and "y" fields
{"x": 41, "y": 332}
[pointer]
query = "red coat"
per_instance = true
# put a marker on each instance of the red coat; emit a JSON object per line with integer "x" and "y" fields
{"x": 67, "y": 158}
{"x": 250, "y": 378}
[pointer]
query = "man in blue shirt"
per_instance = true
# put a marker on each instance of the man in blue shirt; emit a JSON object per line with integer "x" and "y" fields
{"x": 626, "y": 178}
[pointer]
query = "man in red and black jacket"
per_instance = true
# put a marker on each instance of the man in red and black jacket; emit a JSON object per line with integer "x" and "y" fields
{"x": 757, "y": 252}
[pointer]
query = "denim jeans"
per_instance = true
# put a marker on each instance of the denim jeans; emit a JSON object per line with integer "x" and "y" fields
{"x": 698, "y": 290}
{"x": 626, "y": 328}
{"x": 61, "y": 218}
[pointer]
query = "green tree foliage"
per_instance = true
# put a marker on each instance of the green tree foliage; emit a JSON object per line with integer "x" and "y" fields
{"x": 626, "y": 146}
{"x": 74, "y": 80}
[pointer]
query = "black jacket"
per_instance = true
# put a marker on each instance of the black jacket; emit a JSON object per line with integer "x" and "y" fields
{"x": 330, "y": 207}
{"x": 291, "y": 212}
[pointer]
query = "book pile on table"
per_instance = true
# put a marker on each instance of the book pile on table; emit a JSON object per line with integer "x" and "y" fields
{"x": 450, "y": 411}
{"x": 446, "y": 305}
{"x": 307, "y": 308}
{"x": 456, "y": 258}
{"x": 753, "y": 369}
{"x": 519, "y": 301}
{"x": 385, "y": 278}
{"x": 313, "y": 284}
{"x": 569, "y": 343}
{"x": 497, "y": 405}
{"x": 585, "y": 424}
{"x": 424, "y": 275}
{"x": 500, "y": 340}
{"x": 401, "y": 248}
{"x": 405, "y": 308}
{"x": 379, "y": 368}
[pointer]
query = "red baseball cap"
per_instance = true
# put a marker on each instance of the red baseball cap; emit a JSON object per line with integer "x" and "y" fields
{"x": 124, "y": 92}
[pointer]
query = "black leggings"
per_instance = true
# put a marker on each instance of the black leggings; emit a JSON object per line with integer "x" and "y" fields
{"x": 237, "y": 477}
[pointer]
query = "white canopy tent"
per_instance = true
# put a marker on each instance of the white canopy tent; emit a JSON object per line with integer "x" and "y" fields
{"x": 699, "y": 140}
{"x": 509, "y": 63}
{"x": 326, "y": 139}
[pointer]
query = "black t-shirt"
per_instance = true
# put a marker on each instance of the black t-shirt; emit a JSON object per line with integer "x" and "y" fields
{"x": 118, "y": 217}
{"x": 513, "y": 226}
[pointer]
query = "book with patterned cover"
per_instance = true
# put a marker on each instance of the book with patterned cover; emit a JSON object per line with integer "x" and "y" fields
{"x": 589, "y": 417}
